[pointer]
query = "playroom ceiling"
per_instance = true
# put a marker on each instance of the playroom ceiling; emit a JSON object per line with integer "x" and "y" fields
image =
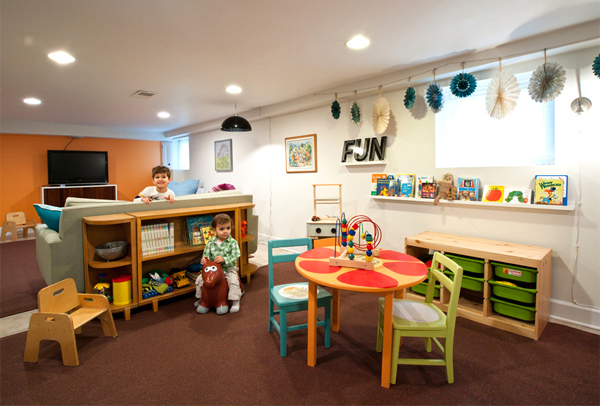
{"x": 189, "y": 51}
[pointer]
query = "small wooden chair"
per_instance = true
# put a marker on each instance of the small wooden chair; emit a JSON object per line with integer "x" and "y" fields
{"x": 62, "y": 313}
{"x": 13, "y": 222}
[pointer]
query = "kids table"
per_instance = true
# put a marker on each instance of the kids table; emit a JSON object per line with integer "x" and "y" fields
{"x": 393, "y": 271}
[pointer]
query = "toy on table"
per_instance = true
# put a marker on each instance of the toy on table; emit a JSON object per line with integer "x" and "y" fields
{"x": 103, "y": 288}
{"x": 214, "y": 289}
{"x": 244, "y": 228}
{"x": 447, "y": 189}
{"x": 348, "y": 233}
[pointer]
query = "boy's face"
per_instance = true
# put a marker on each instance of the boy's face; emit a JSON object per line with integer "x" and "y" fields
{"x": 223, "y": 231}
{"x": 161, "y": 181}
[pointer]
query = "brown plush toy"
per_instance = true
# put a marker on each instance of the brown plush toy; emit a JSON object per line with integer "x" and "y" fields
{"x": 446, "y": 190}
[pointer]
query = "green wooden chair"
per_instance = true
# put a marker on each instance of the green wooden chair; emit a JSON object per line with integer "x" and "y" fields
{"x": 415, "y": 318}
{"x": 285, "y": 304}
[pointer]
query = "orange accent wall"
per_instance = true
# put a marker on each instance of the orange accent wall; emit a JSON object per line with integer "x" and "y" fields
{"x": 24, "y": 167}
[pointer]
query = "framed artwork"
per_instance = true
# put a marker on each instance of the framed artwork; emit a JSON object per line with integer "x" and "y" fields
{"x": 301, "y": 153}
{"x": 223, "y": 156}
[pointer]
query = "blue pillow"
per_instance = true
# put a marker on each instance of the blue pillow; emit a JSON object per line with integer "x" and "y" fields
{"x": 187, "y": 187}
{"x": 49, "y": 215}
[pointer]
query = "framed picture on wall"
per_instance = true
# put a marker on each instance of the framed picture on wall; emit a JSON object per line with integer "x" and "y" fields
{"x": 223, "y": 156}
{"x": 301, "y": 153}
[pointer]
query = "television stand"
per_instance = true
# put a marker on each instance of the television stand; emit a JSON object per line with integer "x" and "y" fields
{"x": 56, "y": 195}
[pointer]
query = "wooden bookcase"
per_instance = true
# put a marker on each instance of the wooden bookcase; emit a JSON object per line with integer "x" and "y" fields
{"x": 481, "y": 311}
{"x": 102, "y": 229}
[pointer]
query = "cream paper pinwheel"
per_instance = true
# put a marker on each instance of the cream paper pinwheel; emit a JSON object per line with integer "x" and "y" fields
{"x": 502, "y": 95}
{"x": 381, "y": 114}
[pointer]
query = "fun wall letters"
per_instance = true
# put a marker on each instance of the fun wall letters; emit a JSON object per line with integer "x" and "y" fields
{"x": 372, "y": 148}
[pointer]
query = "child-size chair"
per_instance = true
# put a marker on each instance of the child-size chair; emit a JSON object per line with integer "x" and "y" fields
{"x": 13, "y": 222}
{"x": 414, "y": 318}
{"x": 62, "y": 313}
{"x": 286, "y": 304}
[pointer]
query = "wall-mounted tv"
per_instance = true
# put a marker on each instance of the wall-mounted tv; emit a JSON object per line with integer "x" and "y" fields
{"x": 77, "y": 167}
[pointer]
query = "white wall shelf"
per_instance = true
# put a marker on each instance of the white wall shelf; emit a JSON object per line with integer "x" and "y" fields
{"x": 488, "y": 205}
{"x": 364, "y": 163}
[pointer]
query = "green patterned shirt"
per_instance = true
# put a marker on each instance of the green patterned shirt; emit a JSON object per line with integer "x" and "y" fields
{"x": 229, "y": 250}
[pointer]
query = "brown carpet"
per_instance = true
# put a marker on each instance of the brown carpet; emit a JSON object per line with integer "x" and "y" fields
{"x": 20, "y": 278}
{"x": 178, "y": 357}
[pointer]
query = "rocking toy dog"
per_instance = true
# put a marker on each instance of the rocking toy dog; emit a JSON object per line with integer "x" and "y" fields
{"x": 214, "y": 289}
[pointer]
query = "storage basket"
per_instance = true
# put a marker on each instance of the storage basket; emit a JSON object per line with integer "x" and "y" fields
{"x": 469, "y": 282}
{"x": 515, "y": 272}
{"x": 516, "y": 293}
{"x": 468, "y": 264}
{"x": 421, "y": 289}
{"x": 513, "y": 310}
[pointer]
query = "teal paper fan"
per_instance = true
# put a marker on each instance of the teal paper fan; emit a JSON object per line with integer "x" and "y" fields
{"x": 336, "y": 109}
{"x": 463, "y": 85}
{"x": 596, "y": 66}
{"x": 409, "y": 98}
{"x": 355, "y": 114}
{"x": 435, "y": 97}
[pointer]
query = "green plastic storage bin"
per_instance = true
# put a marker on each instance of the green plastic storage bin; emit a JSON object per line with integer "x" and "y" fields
{"x": 514, "y": 272}
{"x": 468, "y": 264}
{"x": 513, "y": 310}
{"x": 516, "y": 293}
{"x": 469, "y": 282}
{"x": 421, "y": 289}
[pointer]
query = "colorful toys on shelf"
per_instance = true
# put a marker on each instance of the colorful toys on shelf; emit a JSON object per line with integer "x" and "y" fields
{"x": 244, "y": 228}
{"x": 103, "y": 288}
{"x": 347, "y": 231}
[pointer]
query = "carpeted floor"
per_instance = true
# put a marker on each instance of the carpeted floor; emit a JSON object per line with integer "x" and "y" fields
{"x": 178, "y": 357}
{"x": 20, "y": 278}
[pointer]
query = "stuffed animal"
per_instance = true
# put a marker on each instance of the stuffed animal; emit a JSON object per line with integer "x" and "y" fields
{"x": 446, "y": 190}
{"x": 214, "y": 289}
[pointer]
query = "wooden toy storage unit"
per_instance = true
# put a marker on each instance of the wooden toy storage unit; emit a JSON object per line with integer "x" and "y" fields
{"x": 127, "y": 227}
{"x": 538, "y": 258}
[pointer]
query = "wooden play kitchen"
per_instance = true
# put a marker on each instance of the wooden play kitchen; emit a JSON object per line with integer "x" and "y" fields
{"x": 128, "y": 227}
{"x": 505, "y": 285}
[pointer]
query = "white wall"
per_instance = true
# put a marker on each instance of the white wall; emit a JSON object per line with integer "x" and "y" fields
{"x": 284, "y": 201}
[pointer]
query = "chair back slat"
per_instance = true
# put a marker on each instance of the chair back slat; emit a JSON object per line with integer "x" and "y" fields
{"x": 17, "y": 217}
{"x": 60, "y": 297}
{"x": 453, "y": 286}
{"x": 286, "y": 257}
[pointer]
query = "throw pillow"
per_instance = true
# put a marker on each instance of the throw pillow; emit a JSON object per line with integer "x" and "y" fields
{"x": 187, "y": 187}
{"x": 50, "y": 215}
{"x": 223, "y": 186}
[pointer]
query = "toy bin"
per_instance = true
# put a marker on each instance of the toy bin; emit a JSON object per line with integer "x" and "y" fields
{"x": 515, "y": 272}
{"x": 421, "y": 289}
{"x": 122, "y": 290}
{"x": 516, "y": 293}
{"x": 469, "y": 282}
{"x": 468, "y": 264}
{"x": 513, "y": 310}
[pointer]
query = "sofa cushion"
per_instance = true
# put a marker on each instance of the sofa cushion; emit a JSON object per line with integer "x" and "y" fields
{"x": 50, "y": 215}
{"x": 83, "y": 201}
{"x": 187, "y": 187}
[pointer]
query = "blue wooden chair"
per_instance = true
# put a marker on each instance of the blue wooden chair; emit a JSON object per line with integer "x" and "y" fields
{"x": 285, "y": 304}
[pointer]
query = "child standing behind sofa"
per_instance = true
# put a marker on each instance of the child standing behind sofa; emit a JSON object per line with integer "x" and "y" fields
{"x": 222, "y": 249}
{"x": 161, "y": 176}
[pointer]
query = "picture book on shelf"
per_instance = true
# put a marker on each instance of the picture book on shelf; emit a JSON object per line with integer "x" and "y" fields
{"x": 407, "y": 184}
{"x": 549, "y": 191}
{"x": 565, "y": 180}
{"x": 208, "y": 233}
{"x": 195, "y": 226}
{"x": 428, "y": 190}
{"x": 383, "y": 186}
{"x": 374, "y": 178}
{"x": 517, "y": 196}
{"x": 493, "y": 193}
{"x": 468, "y": 189}
{"x": 420, "y": 181}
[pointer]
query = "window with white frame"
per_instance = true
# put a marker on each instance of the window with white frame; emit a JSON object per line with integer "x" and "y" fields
{"x": 466, "y": 136}
{"x": 181, "y": 154}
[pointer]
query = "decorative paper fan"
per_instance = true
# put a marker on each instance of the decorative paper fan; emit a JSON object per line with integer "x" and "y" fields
{"x": 435, "y": 97}
{"x": 502, "y": 95}
{"x": 381, "y": 114}
{"x": 355, "y": 112}
{"x": 463, "y": 85}
{"x": 596, "y": 66}
{"x": 335, "y": 108}
{"x": 409, "y": 98}
{"x": 546, "y": 82}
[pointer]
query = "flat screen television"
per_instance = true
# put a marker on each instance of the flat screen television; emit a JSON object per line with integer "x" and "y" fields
{"x": 77, "y": 167}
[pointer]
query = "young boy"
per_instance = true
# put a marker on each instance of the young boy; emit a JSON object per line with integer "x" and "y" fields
{"x": 161, "y": 176}
{"x": 223, "y": 249}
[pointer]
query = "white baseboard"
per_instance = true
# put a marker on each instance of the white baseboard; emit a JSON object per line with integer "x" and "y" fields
{"x": 562, "y": 311}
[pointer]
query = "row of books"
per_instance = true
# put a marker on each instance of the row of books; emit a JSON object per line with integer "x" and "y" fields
{"x": 158, "y": 238}
{"x": 199, "y": 231}
{"x": 549, "y": 189}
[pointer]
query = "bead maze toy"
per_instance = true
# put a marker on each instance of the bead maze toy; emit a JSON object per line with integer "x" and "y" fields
{"x": 347, "y": 232}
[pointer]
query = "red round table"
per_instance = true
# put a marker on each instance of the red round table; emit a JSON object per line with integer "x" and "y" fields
{"x": 393, "y": 271}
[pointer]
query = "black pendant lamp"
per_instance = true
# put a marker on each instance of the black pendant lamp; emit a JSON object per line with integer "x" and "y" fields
{"x": 236, "y": 123}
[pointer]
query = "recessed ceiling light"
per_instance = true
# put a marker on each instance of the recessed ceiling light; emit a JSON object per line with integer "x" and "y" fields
{"x": 61, "y": 57}
{"x": 358, "y": 42}
{"x": 32, "y": 100}
{"x": 234, "y": 89}
{"x": 163, "y": 114}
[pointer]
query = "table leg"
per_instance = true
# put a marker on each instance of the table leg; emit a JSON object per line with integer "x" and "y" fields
{"x": 312, "y": 324}
{"x": 335, "y": 311}
{"x": 386, "y": 358}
